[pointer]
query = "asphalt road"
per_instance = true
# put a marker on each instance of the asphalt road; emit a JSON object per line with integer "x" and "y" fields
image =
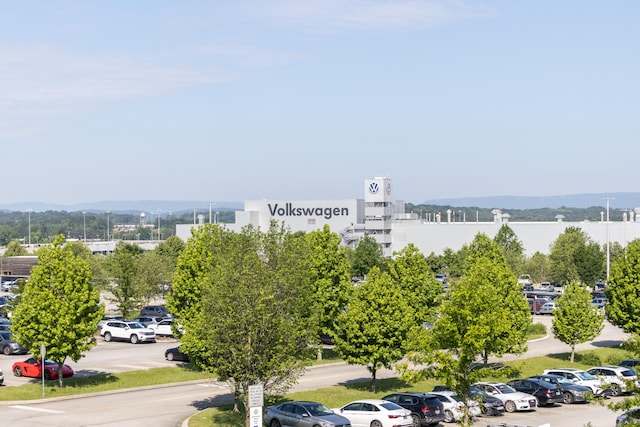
{"x": 169, "y": 406}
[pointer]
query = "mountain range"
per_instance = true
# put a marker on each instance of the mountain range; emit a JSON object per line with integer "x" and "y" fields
{"x": 166, "y": 207}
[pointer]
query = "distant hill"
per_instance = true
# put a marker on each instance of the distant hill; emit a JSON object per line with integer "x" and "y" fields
{"x": 165, "y": 206}
{"x": 582, "y": 201}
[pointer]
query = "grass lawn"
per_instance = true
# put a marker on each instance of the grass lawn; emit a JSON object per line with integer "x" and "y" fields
{"x": 339, "y": 395}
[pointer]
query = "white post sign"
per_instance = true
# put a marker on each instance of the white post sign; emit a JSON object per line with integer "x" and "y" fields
{"x": 256, "y": 401}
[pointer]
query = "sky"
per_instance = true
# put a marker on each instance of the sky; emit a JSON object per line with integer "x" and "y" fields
{"x": 302, "y": 100}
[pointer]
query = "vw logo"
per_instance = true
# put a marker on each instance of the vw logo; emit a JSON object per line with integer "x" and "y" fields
{"x": 373, "y": 188}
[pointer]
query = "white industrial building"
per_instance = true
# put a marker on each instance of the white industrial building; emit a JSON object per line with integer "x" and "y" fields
{"x": 380, "y": 215}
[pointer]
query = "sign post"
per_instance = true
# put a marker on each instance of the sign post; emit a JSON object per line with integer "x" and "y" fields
{"x": 43, "y": 354}
{"x": 256, "y": 401}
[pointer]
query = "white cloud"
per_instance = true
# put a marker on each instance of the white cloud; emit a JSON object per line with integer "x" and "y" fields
{"x": 341, "y": 15}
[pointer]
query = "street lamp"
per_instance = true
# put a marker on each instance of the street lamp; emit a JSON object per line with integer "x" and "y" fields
{"x": 29, "y": 212}
{"x": 84, "y": 226}
{"x": 159, "y": 224}
{"x": 108, "y": 226}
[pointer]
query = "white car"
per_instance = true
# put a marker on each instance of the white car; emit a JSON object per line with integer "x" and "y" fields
{"x": 454, "y": 406}
{"x": 614, "y": 378}
{"x": 163, "y": 327}
{"x": 547, "y": 308}
{"x": 578, "y": 376}
{"x": 375, "y": 413}
{"x": 513, "y": 400}
{"x": 133, "y": 332}
{"x": 631, "y": 416}
{"x": 1, "y": 377}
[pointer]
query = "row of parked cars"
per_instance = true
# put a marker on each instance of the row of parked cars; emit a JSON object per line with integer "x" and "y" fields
{"x": 411, "y": 409}
{"x": 153, "y": 321}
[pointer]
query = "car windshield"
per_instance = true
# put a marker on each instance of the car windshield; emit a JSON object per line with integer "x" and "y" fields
{"x": 503, "y": 388}
{"x": 584, "y": 376}
{"x": 135, "y": 325}
{"x": 5, "y": 335}
{"x": 318, "y": 409}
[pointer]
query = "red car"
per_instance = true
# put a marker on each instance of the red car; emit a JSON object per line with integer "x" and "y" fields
{"x": 33, "y": 368}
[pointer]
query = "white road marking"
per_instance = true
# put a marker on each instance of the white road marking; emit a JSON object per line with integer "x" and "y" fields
{"x": 31, "y": 408}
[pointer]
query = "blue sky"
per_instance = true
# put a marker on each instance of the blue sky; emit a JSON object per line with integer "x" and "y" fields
{"x": 289, "y": 99}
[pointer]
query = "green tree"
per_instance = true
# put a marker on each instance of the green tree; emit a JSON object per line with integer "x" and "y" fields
{"x": 575, "y": 320}
{"x": 153, "y": 276}
{"x": 512, "y": 248}
{"x": 170, "y": 250}
{"x": 123, "y": 267}
{"x": 411, "y": 272}
{"x": 373, "y": 329}
{"x": 368, "y": 254}
{"x": 14, "y": 248}
{"x": 623, "y": 291}
{"x": 59, "y": 307}
{"x": 590, "y": 262}
{"x": 562, "y": 256}
{"x": 256, "y": 318}
{"x": 330, "y": 275}
{"x": 538, "y": 267}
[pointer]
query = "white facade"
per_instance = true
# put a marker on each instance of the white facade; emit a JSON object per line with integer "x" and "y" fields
{"x": 382, "y": 217}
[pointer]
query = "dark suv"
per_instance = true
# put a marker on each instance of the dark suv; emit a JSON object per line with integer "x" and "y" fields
{"x": 155, "y": 311}
{"x": 426, "y": 409}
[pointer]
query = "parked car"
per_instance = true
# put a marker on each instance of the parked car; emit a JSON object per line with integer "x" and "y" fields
{"x": 614, "y": 377}
{"x": 579, "y": 376}
{"x": 571, "y": 392}
{"x": 163, "y": 328}
{"x": 441, "y": 278}
{"x": 302, "y": 414}
{"x": 375, "y": 412}
{"x": 4, "y": 324}
{"x": 546, "y": 393}
{"x": 454, "y": 406}
{"x": 1, "y": 377}
{"x": 489, "y": 405}
{"x": 547, "y": 308}
{"x": 630, "y": 363}
{"x": 156, "y": 311}
{"x": 9, "y": 346}
{"x": 547, "y": 287}
{"x": 513, "y": 400}
{"x": 108, "y": 317}
{"x": 631, "y": 416}
{"x": 426, "y": 409}
{"x": 32, "y": 367}
{"x": 175, "y": 353}
{"x": 133, "y": 332}
{"x": 147, "y": 320}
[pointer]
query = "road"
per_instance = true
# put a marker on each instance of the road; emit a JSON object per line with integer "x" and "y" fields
{"x": 170, "y": 406}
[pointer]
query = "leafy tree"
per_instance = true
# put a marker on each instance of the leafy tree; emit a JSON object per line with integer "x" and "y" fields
{"x": 368, "y": 254}
{"x": 59, "y": 307}
{"x": 330, "y": 275}
{"x": 562, "y": 255}
{"x": 512, "y": 248}
{"x": 538, "y": 267}
{"x": 454, "y": 261}
{"x": 575, "y": 320}
{"x": 123, "y": 267}
{"x": 623, "y": 291}
{"x": 14, "y": 248}
{"x": 255, "y": 321}
{"x": 170, "y": 250}
{"x": 590, "y": 262}
{"x": 373, "y": 329}
{"x": 411, "y": 272}
{"x": 153, "y": 276}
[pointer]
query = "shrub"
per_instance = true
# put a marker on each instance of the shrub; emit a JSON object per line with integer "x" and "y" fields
{"x": 537, "y": 329}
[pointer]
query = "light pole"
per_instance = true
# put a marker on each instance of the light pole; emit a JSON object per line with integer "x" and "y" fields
{"x": 159, "y": 224}
{"x": 608, "y": 250}
{"x": 108, "y": 226}
{"x": 84, "y": 226}
{"x": 29, "y": 213}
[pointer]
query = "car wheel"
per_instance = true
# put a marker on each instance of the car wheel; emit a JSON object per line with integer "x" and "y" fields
{"x": 6, "y": 350}
{"x": 448, "y": 416}
{"x": 170, "y": 356}
{"x": 615, "y": 390}
{"x": 107, "y": 336}
{"x": 275, "y": 423}
{"x": 376, "y": 423}
{"x": 17, "y": 371}
{"x": 567, "y": 397}
{"x": 134, "y": 339}
{"x": 47, "y": 375}
{"x": 510, "y": 406}
{"x": 416, "y": 420}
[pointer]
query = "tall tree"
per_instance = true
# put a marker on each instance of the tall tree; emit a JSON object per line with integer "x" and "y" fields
{"x": 123, "y": 267}
{"x": 330, "y": 275}
{"x": 256, "y": 301}
{"x": 512, "y": 248}
{"x": 575, "y": 320}
{"x": 410, "y": 270}
{"x": 623, "y": 291}
{"x": 59, "y": 307}
{"x": 14, "y": 248}
{"x": 562, "y": 255}
{"x": 374, "y": 327}
{"x": 368, "y": 254}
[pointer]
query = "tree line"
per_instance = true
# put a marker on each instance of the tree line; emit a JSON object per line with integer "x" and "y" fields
{"x": 253, "y": 304}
